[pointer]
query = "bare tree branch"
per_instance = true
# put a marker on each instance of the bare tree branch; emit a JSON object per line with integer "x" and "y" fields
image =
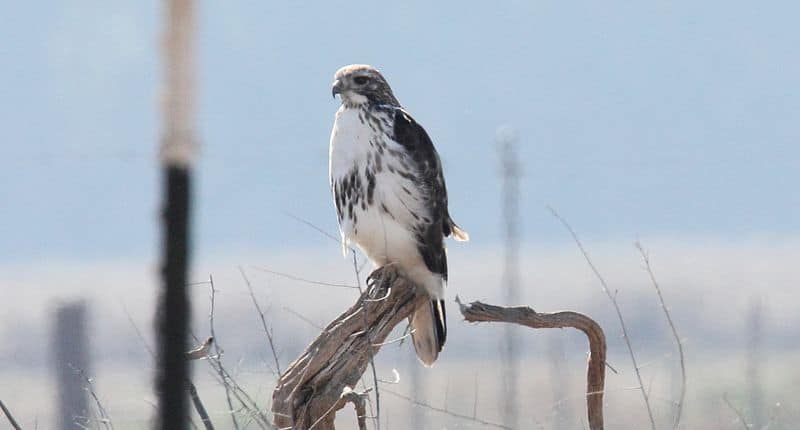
{"x": 9, "y": 416}
{"x": 371, "y": 353}
{"x": 309, "y": 391}
{"x": 218, "y": 352}
{"x": 316, "y": 384}
{"x": 738, "y": 413}
{"x": 199, "y": 353}
{"x": 267, "y": 329}
{"x": 473, "y": 418}
{"x": 679, "y": 404}
{"x": 195, "y": 354}
{"x": 198, "y": 405}
{"x": 304, "y": 280}
{"x": 332, "y": 237}
{"x": 89, "y": 387}
{"x": 773, "y": 417}
{"x": 231, "y": 386}
{"x": 302, "y": 317}
{"x": 523, "y": 315}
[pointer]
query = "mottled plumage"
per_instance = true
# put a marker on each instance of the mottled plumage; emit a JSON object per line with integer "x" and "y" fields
{"x": 390, "y": 194}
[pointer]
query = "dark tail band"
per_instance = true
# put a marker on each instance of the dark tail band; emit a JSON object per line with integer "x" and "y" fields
{"x": 440, "y": 321}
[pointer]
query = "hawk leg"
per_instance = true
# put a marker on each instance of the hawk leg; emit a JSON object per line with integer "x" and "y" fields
{"x": 380, "y": 281}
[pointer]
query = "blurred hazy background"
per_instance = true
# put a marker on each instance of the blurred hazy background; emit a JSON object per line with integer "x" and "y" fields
{"x": 674, "y": 123}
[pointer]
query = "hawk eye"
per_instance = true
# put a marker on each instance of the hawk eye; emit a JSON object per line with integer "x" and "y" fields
{"x": 360, "y": 80}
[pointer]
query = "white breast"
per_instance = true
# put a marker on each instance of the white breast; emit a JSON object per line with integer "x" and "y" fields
{"x": 349, "y": 142}
{"x": 384, "y": 238}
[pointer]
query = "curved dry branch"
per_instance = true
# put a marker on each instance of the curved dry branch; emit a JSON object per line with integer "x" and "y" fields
{"x": 321, "y": 381}
{"x": 311, "y": 389}
{"x": 523, "y": 315}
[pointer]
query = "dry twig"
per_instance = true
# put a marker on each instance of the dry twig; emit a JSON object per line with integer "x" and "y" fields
{"x": 371, "y": 352}
{"x": 195, "y": 354}
{"x": 199, "y": 353}
{"x": 232, "y": 388}
{"x": 473, "y": 418}
{"x": 679, "y": 404}
{"x": 523, "y": 315}
{"x": 267, "y": 329}
{"x": 738, "y": 413}
{"x": 198, "y": 405}
{"x": 218, "y": 352}
{"x": 253, "y": 411}
{"x": 104, "y": 417}
{"x": 303, "y": 318}
{"x": 304, "y": 280}
{"x": 9, "y": 416}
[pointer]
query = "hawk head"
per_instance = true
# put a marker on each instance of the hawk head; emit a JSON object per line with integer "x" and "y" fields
{"x": 360, "y": 84}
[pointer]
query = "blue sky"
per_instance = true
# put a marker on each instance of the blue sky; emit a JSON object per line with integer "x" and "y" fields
{"x": 674, "y": 121}
{"x": 652, "y": 118}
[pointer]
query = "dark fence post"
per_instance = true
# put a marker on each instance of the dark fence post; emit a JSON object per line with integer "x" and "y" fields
{"x": 507, "y": 139}
{"x": 71, "y": 351}
{"x": 177, "y": 155}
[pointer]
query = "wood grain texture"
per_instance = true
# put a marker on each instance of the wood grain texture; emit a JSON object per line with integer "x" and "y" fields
{"x": 314, "y": 386}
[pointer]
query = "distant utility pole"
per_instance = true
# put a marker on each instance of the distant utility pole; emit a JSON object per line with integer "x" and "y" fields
{"x": 71, "y": 352}
{"x": 506, "y": 140}
{"x": 754, "y": 363}
{"x": 177, "y": 156}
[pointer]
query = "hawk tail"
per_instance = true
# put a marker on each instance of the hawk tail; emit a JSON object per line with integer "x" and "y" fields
{"x": 452, "y": 229}
{"x": 429, "y": 331}
{"x": 460, "y": 235}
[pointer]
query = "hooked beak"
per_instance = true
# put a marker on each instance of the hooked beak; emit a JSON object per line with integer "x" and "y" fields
{"x": 337, "y": 88}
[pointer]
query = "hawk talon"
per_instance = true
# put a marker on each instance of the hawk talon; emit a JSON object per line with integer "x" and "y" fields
{"x": 380, "y": 281}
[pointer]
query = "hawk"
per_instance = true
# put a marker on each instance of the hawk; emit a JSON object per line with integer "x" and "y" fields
{"x": 390, "y": 196}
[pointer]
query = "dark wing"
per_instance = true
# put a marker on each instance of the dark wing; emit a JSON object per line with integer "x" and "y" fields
{"x": 429, "y": 180}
